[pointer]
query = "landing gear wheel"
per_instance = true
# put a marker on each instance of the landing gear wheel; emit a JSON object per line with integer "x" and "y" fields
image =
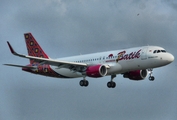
{"x": 81, "y": 83}
{"x": 151, "y": 78}
{"x": 84, "y": 83}
{"x": 111, "y": 84}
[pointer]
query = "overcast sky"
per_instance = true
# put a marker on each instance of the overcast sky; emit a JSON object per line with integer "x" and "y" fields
{"x": 72, "y": 27}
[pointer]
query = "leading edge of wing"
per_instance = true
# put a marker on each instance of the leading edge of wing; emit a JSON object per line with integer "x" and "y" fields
{"x": 44, "y": 60}
{"x": 54, "y": 62}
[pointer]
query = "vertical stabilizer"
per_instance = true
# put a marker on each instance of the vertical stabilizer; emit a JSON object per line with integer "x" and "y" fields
{"x": 33, "y": 47}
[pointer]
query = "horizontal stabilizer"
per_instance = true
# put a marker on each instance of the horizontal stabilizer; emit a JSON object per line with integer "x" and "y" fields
{"x": 21, "y": 66}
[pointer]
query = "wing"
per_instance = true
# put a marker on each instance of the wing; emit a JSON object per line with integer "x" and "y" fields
{"x": 60, "y": 64}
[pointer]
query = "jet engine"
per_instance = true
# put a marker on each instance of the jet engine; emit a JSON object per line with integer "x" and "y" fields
{"x": 136, "y": 75}
{"x": 96, "y": 71}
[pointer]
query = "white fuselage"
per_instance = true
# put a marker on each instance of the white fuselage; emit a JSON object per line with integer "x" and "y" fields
{"x": 120, "y": 61}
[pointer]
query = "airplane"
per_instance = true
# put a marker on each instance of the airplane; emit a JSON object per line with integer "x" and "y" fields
{"x": 133, "y": 63}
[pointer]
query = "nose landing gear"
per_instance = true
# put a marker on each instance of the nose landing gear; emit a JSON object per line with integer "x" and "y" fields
{"x": 151, "y": 78}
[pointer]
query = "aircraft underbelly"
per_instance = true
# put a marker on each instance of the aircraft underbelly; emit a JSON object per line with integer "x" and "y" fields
{"x": 114, "y": 69}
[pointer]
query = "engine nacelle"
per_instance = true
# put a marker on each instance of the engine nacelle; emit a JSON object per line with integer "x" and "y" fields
{"x": 136, "y": 75}
{"x": 96, "y": 71}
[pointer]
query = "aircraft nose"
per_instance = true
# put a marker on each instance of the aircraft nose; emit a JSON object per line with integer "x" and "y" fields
{"x": 170, "y": 58}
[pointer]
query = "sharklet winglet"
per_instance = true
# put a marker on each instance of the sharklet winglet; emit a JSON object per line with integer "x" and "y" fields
{"x": 13, "y": 51}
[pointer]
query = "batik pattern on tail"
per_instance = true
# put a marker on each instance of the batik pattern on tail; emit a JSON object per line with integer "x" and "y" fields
{"x": 33, "y": 47}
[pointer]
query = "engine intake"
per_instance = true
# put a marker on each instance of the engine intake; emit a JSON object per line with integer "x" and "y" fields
{"x": 96, "y": 71}
{"x": 136, "y": 75}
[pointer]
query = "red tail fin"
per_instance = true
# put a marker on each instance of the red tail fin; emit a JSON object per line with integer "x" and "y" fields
{"x": 33, "y": 47}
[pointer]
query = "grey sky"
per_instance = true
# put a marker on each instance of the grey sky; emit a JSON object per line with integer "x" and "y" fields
{"x": 72, "y": 27}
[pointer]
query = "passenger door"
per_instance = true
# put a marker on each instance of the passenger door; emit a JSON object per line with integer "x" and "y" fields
{"x": 144, "y": 53}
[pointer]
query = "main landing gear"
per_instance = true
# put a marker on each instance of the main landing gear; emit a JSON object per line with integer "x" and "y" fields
{"x": 111, "y": 84}
{"x": 84, "y": 83}
{"x": 151, "y": 78}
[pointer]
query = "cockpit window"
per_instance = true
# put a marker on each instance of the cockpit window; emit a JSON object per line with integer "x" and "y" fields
{"x": 155, "y": 51}
{"x": 159, "y": 51}
{"x": 163, "y": 51}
